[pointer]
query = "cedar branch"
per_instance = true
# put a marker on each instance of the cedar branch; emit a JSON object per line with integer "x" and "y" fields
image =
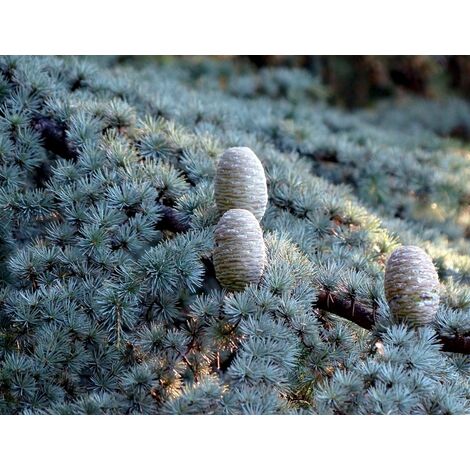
{"x": 365, "y": 318}
{"x": 54, "y": 138}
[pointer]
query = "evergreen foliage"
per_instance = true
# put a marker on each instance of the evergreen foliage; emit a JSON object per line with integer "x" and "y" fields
{"x": 109, "y": 302}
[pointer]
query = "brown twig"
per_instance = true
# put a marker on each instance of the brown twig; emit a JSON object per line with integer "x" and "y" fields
{"x": 354, "y": 312}
{"x": 364, "y": 317}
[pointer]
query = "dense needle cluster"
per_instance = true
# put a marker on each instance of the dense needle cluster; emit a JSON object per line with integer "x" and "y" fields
{"x": 109, "y": 300}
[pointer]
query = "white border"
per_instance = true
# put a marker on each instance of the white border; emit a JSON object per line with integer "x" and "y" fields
{"x": 237, "y": 442}
{"x": 234, "y": 27}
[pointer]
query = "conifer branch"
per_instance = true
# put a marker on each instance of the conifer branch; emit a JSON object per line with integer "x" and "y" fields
{"x": 356, "y": 313}
{"x": 102, "y": 166}
{"x": 55, "y": 140}
{"x": 365, "y": 318}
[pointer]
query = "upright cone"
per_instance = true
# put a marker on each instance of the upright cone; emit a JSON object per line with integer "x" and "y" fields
{"x": 240, "y": 182}
{"x": 412, "y": 285}
{"x": 240, "y": 253}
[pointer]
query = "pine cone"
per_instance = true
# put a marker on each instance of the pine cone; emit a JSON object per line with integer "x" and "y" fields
{"x": 412, "y": 285}
{"x": 240, "y": 254}
{"x": 240, "y": 182}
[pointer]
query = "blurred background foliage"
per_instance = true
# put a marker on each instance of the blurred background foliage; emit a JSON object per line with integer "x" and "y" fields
{"x": 354, "y": 81}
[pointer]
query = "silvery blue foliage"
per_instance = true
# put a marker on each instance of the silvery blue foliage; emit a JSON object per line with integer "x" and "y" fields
{"x": 106, "y": 307}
